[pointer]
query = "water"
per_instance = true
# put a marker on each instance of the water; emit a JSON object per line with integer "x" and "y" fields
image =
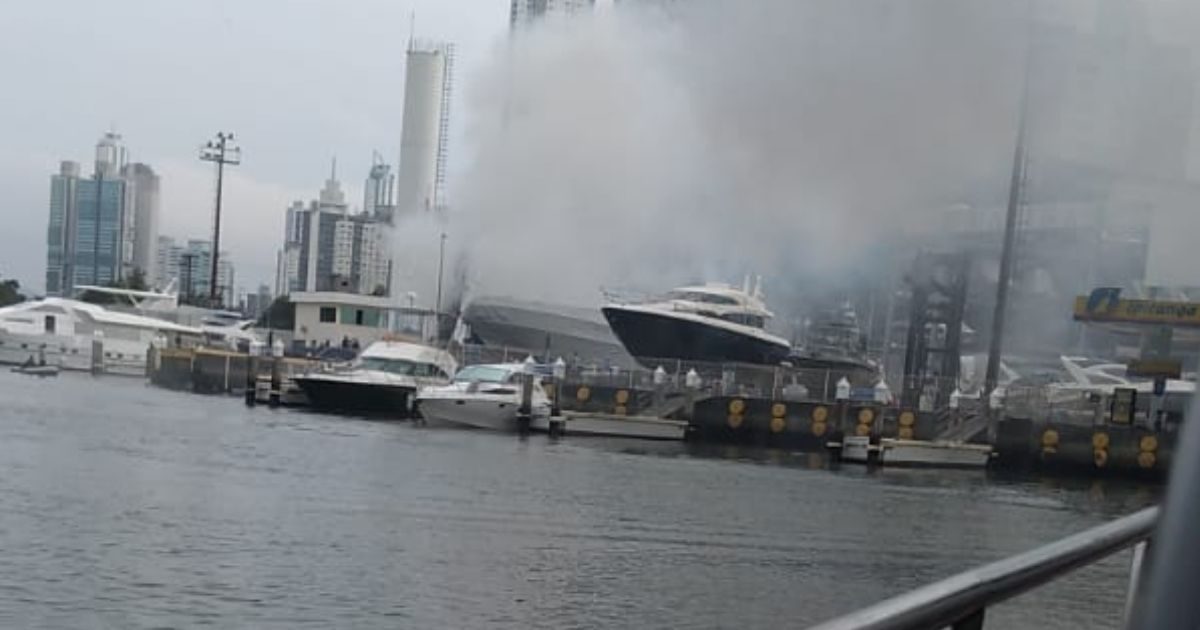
{"x": 127, "y": 506}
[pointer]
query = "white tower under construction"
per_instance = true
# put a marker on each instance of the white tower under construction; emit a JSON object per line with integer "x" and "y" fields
{"x": 423, "y": 138}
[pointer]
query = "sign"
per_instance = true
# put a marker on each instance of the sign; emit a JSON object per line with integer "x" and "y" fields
{"x": 1106, "y": 305}
{"x": 1124, "y": 400}
{"x": 1155, "y": 368}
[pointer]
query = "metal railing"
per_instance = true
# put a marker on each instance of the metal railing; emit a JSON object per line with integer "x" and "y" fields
{"x": 960, "y": 602}
{"x": 777, "y": 382}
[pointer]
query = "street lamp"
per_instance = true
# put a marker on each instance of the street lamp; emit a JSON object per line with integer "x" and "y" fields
{"x": 222, "y": 151}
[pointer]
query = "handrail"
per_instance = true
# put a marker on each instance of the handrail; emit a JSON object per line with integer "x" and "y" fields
{"x": 960, "y": 600}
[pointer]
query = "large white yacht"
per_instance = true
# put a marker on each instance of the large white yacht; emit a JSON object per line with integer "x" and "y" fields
{"x": 713, "y": 323}
{"x": 483, "y": 397}
{"x": 382, "y": 381}
{"x": 81, "y": 336}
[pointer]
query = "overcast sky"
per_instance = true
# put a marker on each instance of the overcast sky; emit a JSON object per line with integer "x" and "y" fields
{"x": 825, "y": 103}
{"x": 297, "y": 81}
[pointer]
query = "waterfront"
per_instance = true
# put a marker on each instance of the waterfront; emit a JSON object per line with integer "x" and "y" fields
{"x": 130, "y": 506}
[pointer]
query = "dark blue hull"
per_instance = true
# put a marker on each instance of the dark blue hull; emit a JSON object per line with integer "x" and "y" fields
{"x": 658, "y": 336}
{"x": 358, "y": 399}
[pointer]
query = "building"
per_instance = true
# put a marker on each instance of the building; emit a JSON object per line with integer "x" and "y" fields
{"x": 142, "y": 200}
{"x": 424, "y": 134}
{"x": 100, "y": 228}
{"x": 523, "y": 12}
{"x": 329, "y": 317}
{"x": 86, "y": 236}
{"x": 258, "y": 302}
{"x": 189, "y": 266}
{"x": 328, "y": 249}
{"x": 379, "y": 191}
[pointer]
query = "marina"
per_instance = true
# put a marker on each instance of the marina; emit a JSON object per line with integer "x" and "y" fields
{"x": 153, "y": 484}
{"x": 646, "y": 314}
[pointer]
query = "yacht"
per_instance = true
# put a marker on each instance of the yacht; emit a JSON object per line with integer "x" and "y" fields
{"x": 221, "y": 328}
{"x": 713, "y": 323}
{"x": 383, "y": 380}
{"x": 77, "y": 335}
{"x": 483, "y": 397}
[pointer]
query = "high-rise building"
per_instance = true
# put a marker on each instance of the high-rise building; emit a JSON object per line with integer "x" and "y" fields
{"x": 101, "y": 227}
{"x": 327, "y": 249}
{"x": 424, "y": 134}
{"x": 379, "y": 190}
{"x": 526, "y": 11}
{"x": 60, "y": 234}
{"x": 142, "y": 202}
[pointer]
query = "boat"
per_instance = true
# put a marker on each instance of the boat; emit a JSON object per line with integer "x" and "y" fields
{"x": 221, "y": 328}
{"x": 486, "y": 396}
{"x": 75, "y": 335}
{"x": 576, "y": 333}
{"x": 381, "y": 381}
{"x": 713, "y": 323}
{"x": 37, "y": 370}
{"x": 834, "y": 341}
{"x": 938, "y": 453}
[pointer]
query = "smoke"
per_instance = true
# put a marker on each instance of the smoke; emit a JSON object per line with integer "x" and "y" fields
{"x": 816, "y": 143}
{"x": 644, "y": 148}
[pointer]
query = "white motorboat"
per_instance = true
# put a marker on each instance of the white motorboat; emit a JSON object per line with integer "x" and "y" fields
{"x": 712, "y": 323}
{"x": 382, "y": 381}
{"x": 80, "y": 336}
{"x": 483, "y": 397}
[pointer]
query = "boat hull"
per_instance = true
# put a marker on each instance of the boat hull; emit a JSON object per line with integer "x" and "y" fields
{"x": 649, "y": 335}
{"x": 489, "y": 414}
{"x": 576, "y": 334}
{"x": 325, "y": 394}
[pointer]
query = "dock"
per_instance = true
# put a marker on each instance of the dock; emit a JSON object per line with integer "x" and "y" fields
{"x": 613, "y": 425}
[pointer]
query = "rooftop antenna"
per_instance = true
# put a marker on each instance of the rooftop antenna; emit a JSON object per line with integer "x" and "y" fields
{"x": 412, "y": 29}
{"x": 333, "y": 169}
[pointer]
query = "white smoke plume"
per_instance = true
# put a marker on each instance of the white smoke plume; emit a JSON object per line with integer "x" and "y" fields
{"x": 646, "y": 148}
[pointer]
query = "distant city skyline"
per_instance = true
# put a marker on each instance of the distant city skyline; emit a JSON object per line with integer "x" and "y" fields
{"x": 261, "y": 92}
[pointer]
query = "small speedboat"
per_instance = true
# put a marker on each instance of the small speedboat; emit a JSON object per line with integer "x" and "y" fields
{"x": 37, "y": 370}
{"x": 483, "y": 397}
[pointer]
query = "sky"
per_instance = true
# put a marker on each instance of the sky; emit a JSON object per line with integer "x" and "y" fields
{"x": 297, "y": 81}
{"x": 791, "y": 138}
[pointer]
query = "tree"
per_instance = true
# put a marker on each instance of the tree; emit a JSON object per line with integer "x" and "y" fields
{"x": 281, "y": 315}
{"x": 10, "y": 292}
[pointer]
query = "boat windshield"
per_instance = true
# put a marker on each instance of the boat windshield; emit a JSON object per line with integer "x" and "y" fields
{"x": 704, "y": 298}
{"x": 401, "y": 366}
{"x": 483, "y": 374}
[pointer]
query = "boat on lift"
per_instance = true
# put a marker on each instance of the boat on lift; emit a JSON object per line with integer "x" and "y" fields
{"x": 713, "y": 323}
{"x": 484, "y": 397}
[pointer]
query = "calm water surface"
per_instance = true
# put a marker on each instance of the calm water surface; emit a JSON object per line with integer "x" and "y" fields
{"x": 127, "y": 506}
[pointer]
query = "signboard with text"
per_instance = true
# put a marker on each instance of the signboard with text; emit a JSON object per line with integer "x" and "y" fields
{"x": 1107, "y": 305}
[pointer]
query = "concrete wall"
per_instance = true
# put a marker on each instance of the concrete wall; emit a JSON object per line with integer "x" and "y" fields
{"x": 310, "y": 328}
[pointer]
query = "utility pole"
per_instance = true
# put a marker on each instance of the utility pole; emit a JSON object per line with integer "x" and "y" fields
{"x": 1015, "y": 199}
{"x": 222, "y": 151}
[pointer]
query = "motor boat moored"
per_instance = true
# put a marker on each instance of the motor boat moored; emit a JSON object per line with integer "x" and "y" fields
{"x": 382, "y": 381}
{"x": 486, "y": 396}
